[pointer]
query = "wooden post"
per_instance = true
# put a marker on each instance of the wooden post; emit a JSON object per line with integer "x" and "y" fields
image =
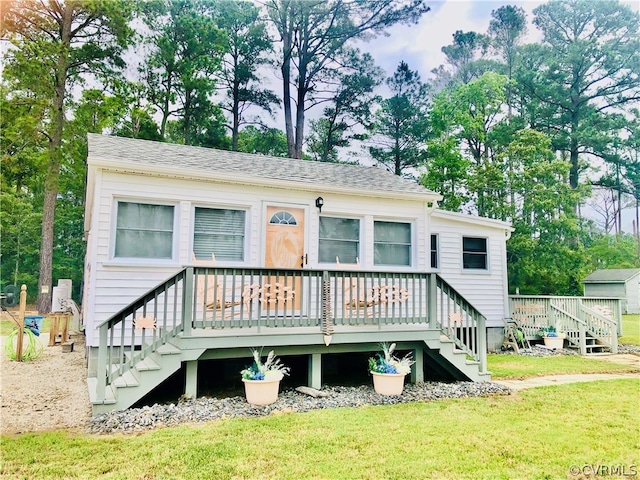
{"x": 187, "y": 301}
{"x": 22, "y": 308}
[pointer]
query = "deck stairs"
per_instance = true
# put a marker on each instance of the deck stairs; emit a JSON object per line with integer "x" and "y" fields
{"x": 591, "y": 325}
{"x": 134, "y": 384}
{"x": 450, "y": 361}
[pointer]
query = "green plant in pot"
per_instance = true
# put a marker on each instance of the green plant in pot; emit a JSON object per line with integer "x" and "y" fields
{"x": 552, "y": 337}
{"x": 389, "y": 371}
{"x": 262, "y": 379}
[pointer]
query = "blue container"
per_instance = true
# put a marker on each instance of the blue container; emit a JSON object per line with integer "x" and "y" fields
{"x": 33, "y": 323}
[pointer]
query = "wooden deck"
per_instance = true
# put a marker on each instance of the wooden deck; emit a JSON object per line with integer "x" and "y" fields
{"x": 205, "y": 313}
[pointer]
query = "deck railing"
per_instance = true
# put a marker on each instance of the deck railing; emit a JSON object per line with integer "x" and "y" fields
{"x": 576, "y": 316}
{"x": 213, "y": 298}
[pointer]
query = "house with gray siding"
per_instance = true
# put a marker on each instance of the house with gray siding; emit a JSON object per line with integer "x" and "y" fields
{"x": 621, "y": 283}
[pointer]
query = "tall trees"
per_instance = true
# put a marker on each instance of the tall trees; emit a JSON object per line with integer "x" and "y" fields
{"x": 349, "y": 108}
{"x": 590, "y": 69}
{"x": 58, "y": 42}
{"x": 508, "y": 26}
{"x": 464, "y": 54}
{"x": 313, "y": 34}
{"x": 179, "y": 73}
{"x": 247, "y": 46}
{"x": 400, "y": 123}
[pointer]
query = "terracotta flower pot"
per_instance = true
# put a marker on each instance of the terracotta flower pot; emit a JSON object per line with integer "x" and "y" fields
{"x": 261, "y": 392}
{"x": 388, "y": 383}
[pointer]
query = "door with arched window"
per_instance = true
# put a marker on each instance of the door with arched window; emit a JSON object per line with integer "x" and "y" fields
{"x": 284, "y": 248}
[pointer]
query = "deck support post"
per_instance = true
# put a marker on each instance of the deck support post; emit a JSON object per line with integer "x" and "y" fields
{"x": 315, "y": 370}
{"x": 187, "y": 301}
{"x": 101, "y": 374}
{"x": 191, "y": 379}
{"x": 582, "y": 339}
{"x": 417, "y": 369}
{"x": 482, "y": 343}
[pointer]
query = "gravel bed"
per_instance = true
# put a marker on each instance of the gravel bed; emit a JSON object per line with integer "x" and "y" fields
{"x": 207, "y": 409}
{"x": 538, "y": 350}
{"x": 629, "y": 349}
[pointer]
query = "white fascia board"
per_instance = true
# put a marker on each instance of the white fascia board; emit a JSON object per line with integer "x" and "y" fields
{"x": 484, "y": 221}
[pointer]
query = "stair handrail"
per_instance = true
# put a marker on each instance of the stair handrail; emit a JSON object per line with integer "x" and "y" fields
{"x": 479, "y": 353}
{"x": 609, "y": 340}
{"x": 105, "y": 374}
{"x": 570, "y": 326}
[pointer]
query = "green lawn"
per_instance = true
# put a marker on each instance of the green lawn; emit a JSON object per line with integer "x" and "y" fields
{"x": 520, "y": 366}
{"x": 542, "y": 433}
{"x": 630, "y": 330}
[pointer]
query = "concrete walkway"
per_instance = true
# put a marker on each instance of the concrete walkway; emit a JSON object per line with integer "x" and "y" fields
{"x": 628, "y": 359}
{"x": 562, "y": 379}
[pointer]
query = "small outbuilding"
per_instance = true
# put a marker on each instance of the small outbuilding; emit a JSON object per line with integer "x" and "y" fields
{"x": 616, "y": 282}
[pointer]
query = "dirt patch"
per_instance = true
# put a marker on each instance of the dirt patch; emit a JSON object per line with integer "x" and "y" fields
{"x": 48, "y": 393}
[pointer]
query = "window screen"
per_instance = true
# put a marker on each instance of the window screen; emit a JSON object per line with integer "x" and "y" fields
{"x": 339, "y": 237}
{"x": 474, "y": 253}
{"x": 220, "y": 232}
{"x": 392, "y": 243}
{"x": 434, "y": 251}
{"x": 144, "y": 230}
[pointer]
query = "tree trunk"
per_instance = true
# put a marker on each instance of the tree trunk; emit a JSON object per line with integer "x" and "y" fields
{"x": 53, "y": 169}
{"x": 286, "y": 86}
{"x": 236, "y": 117}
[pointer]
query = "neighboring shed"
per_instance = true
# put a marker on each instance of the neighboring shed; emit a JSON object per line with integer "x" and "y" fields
{"x": 618, "y": 283}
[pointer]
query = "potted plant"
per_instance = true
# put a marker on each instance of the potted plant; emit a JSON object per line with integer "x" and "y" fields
{"x": 552, "y": 337}
{"x": 389, "y": 371}
{"x": 262, "y": 380}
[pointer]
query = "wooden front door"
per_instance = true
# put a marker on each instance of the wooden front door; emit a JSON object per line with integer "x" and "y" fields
{"x": 284, "y": 248}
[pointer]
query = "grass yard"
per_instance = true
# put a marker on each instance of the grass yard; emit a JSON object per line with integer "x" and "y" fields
{"x": 513, "y": 367}
{"x": 542, "y": 433}
{"x": 630, "y": 330}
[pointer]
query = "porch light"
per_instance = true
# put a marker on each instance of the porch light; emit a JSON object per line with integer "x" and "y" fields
{"x": 319, "y": 203}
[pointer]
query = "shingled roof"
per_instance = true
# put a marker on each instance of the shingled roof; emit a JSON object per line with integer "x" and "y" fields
{"x": 142, "y": 155}
{"x": 612, "y": 275}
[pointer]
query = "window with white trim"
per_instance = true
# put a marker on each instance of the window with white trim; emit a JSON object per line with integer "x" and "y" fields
{"x": 474, "y": 253}
{"x": 339, "y": 238}
{"x": 434, "y": 250}
{"x": 144, "y": 230}
{"x": 391, "y": 243}
{"x": 220, "y": 232}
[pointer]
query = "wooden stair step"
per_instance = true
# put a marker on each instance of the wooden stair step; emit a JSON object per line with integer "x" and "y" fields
{"x": 169, "y": 349}
{"x": 147, "y": 364}
{"x": 128, "y": 379}
{"x": 110, "y": 396}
